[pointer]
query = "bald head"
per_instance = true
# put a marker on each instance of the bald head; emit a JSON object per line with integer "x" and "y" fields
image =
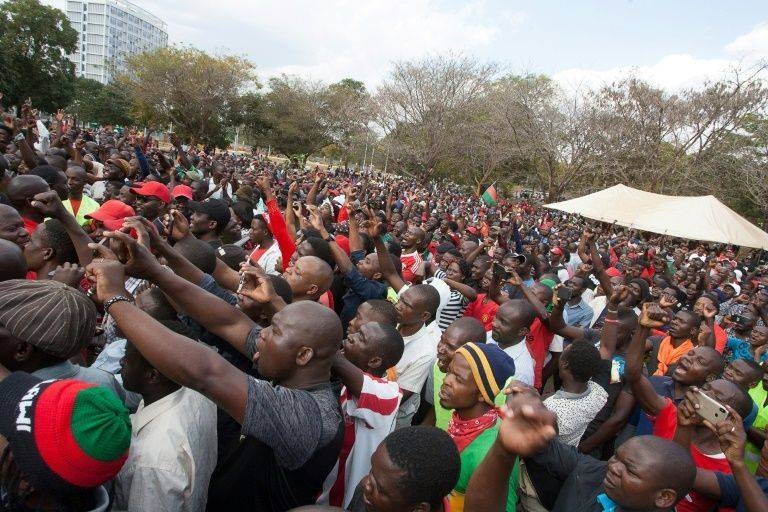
{"x": 12, "y": 262}
{"x": 469, "y": 328}
{"x": 309, "y": 278}
{"x": 664, "y": 464}
{"x": 316, "y": 326}
{"x": 512, "y": 321}
{"x": 24, "y": 187}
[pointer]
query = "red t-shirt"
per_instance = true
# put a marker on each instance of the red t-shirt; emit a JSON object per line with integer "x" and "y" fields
{"x": 482, "y": 309}
{"x": 721, "y": 338}
{"x": 411, "y": 263}
{"x": 30, "y": 225}
{"x": 538, "y": 341}
{"x": 665, "y": 426}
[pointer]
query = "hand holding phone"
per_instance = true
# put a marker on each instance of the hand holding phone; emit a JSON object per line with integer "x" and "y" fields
{"x": 710, "y": 409}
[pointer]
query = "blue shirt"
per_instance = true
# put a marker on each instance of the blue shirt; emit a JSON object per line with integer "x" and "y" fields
{"x": 579, "y": 315}
{"x": 360, "y": 290}
{"x": 730, "y": 497}
{"x": 736, "y": 348}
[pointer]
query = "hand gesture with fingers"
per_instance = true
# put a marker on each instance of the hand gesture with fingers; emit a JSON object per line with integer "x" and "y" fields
{"x": 255, "y": 284}
{"x": 315, "y": 219}
{"x": 139, "y": 261}
{"x": 293, "y": 189}
{"x": 687, "y": 411}
{"x": 140, "y": 223}
{"x": 178, "y": 225}
{"x": 653, "y": 316}
{"x": 106, "y": 274}
{"x": 142, "y": 233}
{"x": 69, "y": 273}
{"x": 49, "y": 204}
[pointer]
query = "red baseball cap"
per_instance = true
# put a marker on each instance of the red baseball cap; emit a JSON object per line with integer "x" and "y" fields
{"x": 556, "y": 251}
{"x": 152, "y": 188}
{"x": 182, "y": 191}
{"x": 112, "y": 213}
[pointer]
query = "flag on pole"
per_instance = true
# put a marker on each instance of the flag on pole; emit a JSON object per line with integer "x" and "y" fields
{"x": 490, "y": 196}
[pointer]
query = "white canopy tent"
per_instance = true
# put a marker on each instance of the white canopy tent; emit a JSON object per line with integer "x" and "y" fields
{"x": 695, "y": 218}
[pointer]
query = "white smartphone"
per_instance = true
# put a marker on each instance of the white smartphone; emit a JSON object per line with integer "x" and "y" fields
{"x": 710, "y": 409}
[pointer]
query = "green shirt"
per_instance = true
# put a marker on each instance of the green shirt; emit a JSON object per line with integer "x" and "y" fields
{"x": 752, "y": 451}
{"x": 471, "y": 457}
{"x": 442, "y": 416}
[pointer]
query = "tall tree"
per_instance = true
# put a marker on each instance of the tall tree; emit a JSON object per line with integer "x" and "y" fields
{"x": 348, "y": 115}
{"x": 424, "y": 105}
{"x": 296, "y": 113}
{"x": 197, "y": 92}
{"x": 35, "y": 40}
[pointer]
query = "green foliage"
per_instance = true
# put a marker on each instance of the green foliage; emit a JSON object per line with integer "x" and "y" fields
{"x": 35, "y": 40}
{"x": 294, "y": 110}
{"x": 197, "y": 92}
{"x": 103, "y": 104}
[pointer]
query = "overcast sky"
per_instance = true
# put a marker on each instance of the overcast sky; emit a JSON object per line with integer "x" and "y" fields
{"x": 581, "y": 43}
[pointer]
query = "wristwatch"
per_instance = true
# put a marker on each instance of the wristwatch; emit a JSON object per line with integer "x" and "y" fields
{"x": 330, "y": 238}
{"x": 117, "y": 298}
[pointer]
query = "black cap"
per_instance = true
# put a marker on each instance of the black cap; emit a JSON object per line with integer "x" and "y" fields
{"x": 216, "y": 209}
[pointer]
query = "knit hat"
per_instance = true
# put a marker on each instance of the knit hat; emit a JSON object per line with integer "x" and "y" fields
{"x": 54, "y": 317}
{"x": 491, "y": 367}
{"x": 122, "y": 164}
{"x": 65, "y": 435}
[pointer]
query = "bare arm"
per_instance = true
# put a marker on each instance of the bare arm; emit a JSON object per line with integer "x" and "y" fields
{"x": 216, "y": 315}
{"x": 387, "y": 268}
{"x": 350, "y": 375}
{"x": 558, "y": 326}
{"x": 290, "y": 214}
{"x": 622, "y": 409}
{"x": 50, "y": 204}
{"x": 181, "y": 359}
{"x": 650, "y": 401}
{"x": 467, "y": 291}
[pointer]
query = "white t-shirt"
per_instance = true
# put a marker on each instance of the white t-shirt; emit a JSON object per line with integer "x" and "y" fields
{"x": 268, "y": 260}
{"x": 576, "y": 412}
{"x": 373, "y": 416}
{"x": 418, "y": 356}
{"x": 523, "y": 362}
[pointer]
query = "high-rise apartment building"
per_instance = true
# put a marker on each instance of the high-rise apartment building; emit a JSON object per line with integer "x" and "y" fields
{"x": 110, "y": 30}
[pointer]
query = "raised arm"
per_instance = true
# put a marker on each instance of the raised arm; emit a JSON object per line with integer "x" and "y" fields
{"x": 312, "y": 195}
{"x": 609, "y": 334}
{"x": 277, "y": 225}
{"x": 342, "y": 260}
{"x": 290, "y": 213}
{"x": 49, "y": 204}
{"x": 216, "y": 315}
{"x": 557, "y": 323}
{"x": 182, "y": 155}
{"x": 651, "y": 402}
{"x": 526, "y": 429}
{"x": 181, "y": 359}
{"x": 351, "y": 376}
{"x": 385, "y": 262}
{"x": 599, "y": 269}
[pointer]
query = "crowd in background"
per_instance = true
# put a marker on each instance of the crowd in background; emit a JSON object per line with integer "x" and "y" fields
{"x": 182, "y": 329}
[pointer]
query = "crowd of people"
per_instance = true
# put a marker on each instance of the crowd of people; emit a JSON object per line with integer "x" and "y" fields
{"x": 183, "y": 330}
